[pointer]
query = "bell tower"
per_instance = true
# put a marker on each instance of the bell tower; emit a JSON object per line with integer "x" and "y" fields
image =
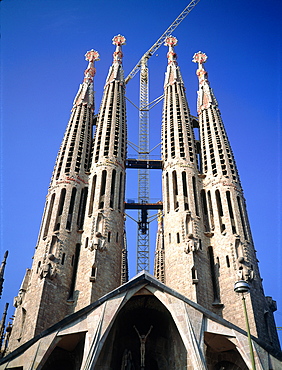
{"x": 183, "y": 231}
{"x": 101, "y": 261}
{"x": 228, "y": 241}
{"x": 47, "y": 291}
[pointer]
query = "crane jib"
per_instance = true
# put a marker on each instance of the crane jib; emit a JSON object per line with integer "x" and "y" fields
{"x": 160, "y": 41}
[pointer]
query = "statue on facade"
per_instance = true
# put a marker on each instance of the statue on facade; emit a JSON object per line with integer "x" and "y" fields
{"x": 143, "y": 339}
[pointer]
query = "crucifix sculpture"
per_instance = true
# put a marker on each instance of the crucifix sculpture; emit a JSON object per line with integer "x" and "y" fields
{"x": 143, "y": 338}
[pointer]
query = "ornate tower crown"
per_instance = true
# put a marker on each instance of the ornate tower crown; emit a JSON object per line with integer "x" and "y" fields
{"x": 91, "y": 56}
{"x": 171, "y": 41}
{"x": 118, "y": 40}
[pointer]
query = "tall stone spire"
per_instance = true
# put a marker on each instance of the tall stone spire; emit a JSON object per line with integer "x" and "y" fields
{"x": 102, "y": 267}
{"x": 182, "y": 232}
{"x": 228, "y": 239}
{"x": 47, "y": 292}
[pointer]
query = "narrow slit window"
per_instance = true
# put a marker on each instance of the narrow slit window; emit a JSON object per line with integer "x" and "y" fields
{"x": 178, "y": 238}
{"x": 195, "y": 195}
{"x": 71, "y": 207}
{"x": 210, "y": 209}
{"x": 231, "y": 214}
{"x": 175, "y": 190}
{"x": 205, "y": 210}
{"x": 113, "y": 184}
{"x": 74, "y": 271}
{"x": 120, "y": 191}
{"x": 242, "y": 217}
{"x": 103, "y": 189}
{"x": 82, "y": 207}
{"x": 167, "y": 192}
{"x": 60, "y": 210}
{"x": 219, "y": 210}
{"x": 47, "y": 224}
{"x": 213, "y": 275}
{"x": 185, "y": 191}
{"x": 92, "y": 196}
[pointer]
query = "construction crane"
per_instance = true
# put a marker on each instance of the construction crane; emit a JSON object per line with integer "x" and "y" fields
{"x": 143, "y": 253}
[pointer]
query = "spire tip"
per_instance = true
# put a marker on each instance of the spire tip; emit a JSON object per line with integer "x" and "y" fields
{"x": 119, "y": 40}
{"x": 171, "y": 41}
{"x": 92, "y": 56}
{"x": 199, "y": 58}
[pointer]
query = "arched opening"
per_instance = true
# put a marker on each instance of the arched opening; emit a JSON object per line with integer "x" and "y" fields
{"x": 68, "y": 353}
{"x": 221, "y": 353}
{"x": 163, "y": 349}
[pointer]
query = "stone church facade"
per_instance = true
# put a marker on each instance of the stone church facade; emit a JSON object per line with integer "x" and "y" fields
{"x": 76, "y": 308}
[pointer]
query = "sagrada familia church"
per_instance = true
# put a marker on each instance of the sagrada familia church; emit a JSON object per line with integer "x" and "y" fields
{"x": 76, "y": 308}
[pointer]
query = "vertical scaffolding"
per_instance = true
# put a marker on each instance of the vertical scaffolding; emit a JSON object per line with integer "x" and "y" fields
{"x": 143, "y": 254}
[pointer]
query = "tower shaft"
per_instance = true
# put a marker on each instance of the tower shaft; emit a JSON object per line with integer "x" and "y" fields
{"x": 47, "y": 293}
{"x": 103, "y": 258}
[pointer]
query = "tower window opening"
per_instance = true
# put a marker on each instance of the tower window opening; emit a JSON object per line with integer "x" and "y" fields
{"x": 117, "y": 238}
{"x": 205, "y": 210}
{"x": 177, "y": 238}
{"x": 109, "y": 236}
{"x": 93, "y": 274}
{"x": 242, "y": 217}
{"x": 167, "y": 193}
{"x": 74, "y": 272}
{"x": 210, "y": 209}
{"x": 63, "y": 259}
{"x": 92, "y": 196}
{"x": 69, "y": 220}
{"x": 82, "y": 207}
{"x": 231, "y": 214}
{"x": 48, "y": 219}
{"x": 113, "y": 184}
{"x": 86, "y": 242}
{"x": 219, "y": 210}
{"x": 22, "y": 322}
{"x": 103, "y": 188}
{"x": 169, "y": 238}
{"x": 60, "y": 210}
{"x": 120, "y": 194}
{"x": 227, "y": 261}
{"x": 214, "y": 277}
{"x": 185, "y": 192}
{"x": 194, "y": 274}
{"x": 195, "y": 195}
{"x": 175, "y": 190}
{"x": 38, "y": 267}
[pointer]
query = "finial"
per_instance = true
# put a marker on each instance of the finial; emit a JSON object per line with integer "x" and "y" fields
{"x": 200, "y": 58}
{"x": 118, "y": 41}
{"x": 91, "y": 56}
{"x": 171, "y": 41}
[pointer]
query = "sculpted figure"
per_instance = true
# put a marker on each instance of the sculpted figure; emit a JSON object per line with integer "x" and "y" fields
{"x": 143, "y": 339}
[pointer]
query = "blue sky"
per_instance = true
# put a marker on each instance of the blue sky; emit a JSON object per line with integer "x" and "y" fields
{"x": 42, "y": 63}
